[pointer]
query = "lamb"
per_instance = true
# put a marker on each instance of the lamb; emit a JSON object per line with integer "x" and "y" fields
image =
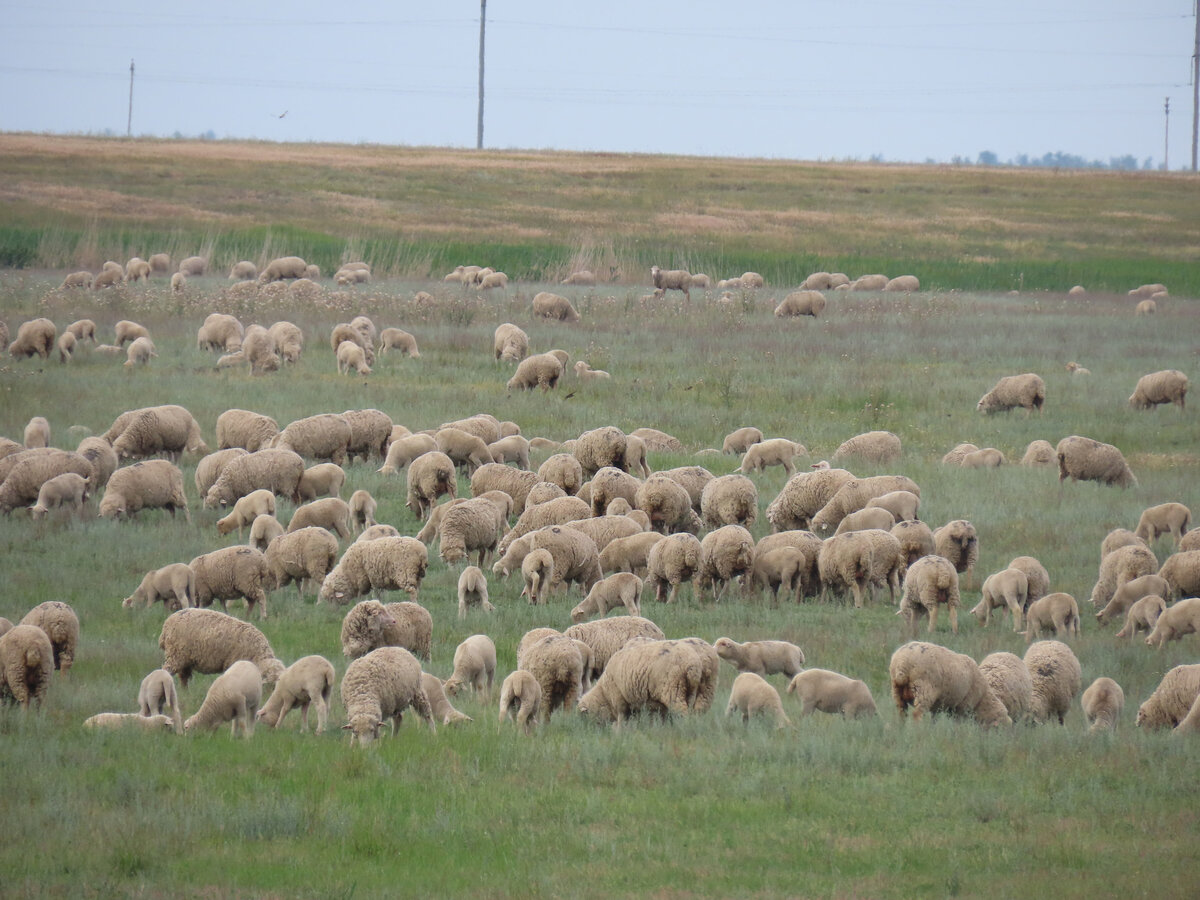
{"x": 1056, "y": 677}
{"x": 157, "y": 696}
{"x": 289, "y": 340}
{"x": 386, "y": 564}
{"x": 1085, "y": 459}
{"x": 1122, "y": 565}
{"x": 375, "y": 532}
{"x": 439, "y": 704}
{"x": 1166, "y": 386}
{"x": 878, "y": 447}
{"x": 243, "y": 271}
{"x": 854, "y": 495}
{"x": 932, "y": 679}
{"x": 82, "y": 330}
{"x": 784, "y": 566}
{"x": 1009, "y": 680}
{"x": 1076, "y": 369}
{"x": 1057, "y": 610}
{"x": 473, "y": 526}
{"x": 69, "y": 490}
{"x": 362, "y": 509}
{"x": 154, "y": 483}
{"x": 474, "y": 665}
{"x": 178, "y": 283}
{"x": 658, "y": 441}
{"x": 629, "y": 554}
{"x": 656, "y": 676}
{"x": 1027, "y": 391}
{"x": 537, "y": 572}
{"x": 729, "y": 500}
{"x": 193, "y": 266}
{"x": 229, "y": 573}
{"x": 404, "y": 450}
{"x": 472, "y": 591}
{"x": 553, "y": 306}
{"x": 463, "y": 448}
{"x": 159, "y": 429}
{"x": 1102, "y": 703}
{"x": 584, "y": 372}
{"x": 81, "y": 279}
{"x": 582, "y": 277}
{"x": 246, "y": 510}
{"x": 958, "y": 542}
{"x": 513, "y": 448}
{"x": 987, "y": 458}
{"x": 308, "y": 552}
{"x": 620, "y": 589}
{"x": 606, "y": 636}
{"x": 26, "y": 661}
{"x": 306, "y": 682}
{"x": 380, "y": 686}
{"x": 1143, "y": 615}
{"x": 672, "y": 561}
{"x": 111, "y": 275}
{"x": 1007, "y": 589}
{"x": 127, "y": 331}
{"x": 540, "y": 370}
{"x": 741, "y": 439}
{"x": 903, "y": 505}
{"x": 484, "y": 426}
{"x": 830, "y": 692}
{"x": 103, "y": 458}
{"x": 751, "y": 694}
{"x": 345, "y": 331}
{"x": 220, "y": 332}
{"x": 207, "y": 642}
{"x": 956, "y": 456}
{"x": 25, "y": 472}
{"x": 351, "y": 356}
{"x": 801, "y": 303}
{"x": 1166, "y": 517}
{"x": 330, "y": 513}
{"x": 803, "y": 496}
{"x": 37, "y": 433}
{"x": 66, "y": 346}
{"x": 429, "y": 476}
{"x": 1172, "y": 700}
{"x": 671, "y": 280}
{"x": 233, "y": 697}
{"x": 1176, "y": 621}
{"x": 493, "y": 280}
{"x": 773, "y": 452}
{"x": 874, "y": 517}
{"x": 576, "y": 559}
{"x": 283, "y": 268}
{"x": 1128, "y": 594}
{"x": 1148, "y": 290}
{"x": 321, "y": 480}
{"x": 174, "y": 585}
{"x": 279, "y": 471}
{"x": 1145, "y": 307}
{"x": 34, "y": 338}
{"x": 510, "y": 343}
{"x": 931, "y": 582}
{"x": 322, "y": 437}
{"x": 243, "y": 428}
{"x": 522, "y": 692}
{"x": 762, "y": 657}
{"x": 1039, "y": 453}
{"x": 557, "y": 665}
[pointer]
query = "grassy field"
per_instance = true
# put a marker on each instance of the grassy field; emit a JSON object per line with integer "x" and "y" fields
{"x": 695, "y": 808}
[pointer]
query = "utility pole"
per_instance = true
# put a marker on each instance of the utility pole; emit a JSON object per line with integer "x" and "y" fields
{"x": 482, "y": 23}
{"x": 1195, "y": 84}
{"x": 129, "y": 121}
{"x": 1166, "y": 133}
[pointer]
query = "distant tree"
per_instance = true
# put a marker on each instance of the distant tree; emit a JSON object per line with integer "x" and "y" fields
{"x": 988, "y": 158}
{"x": 1148, "y": 163}
{"x": 1127, "y": 162}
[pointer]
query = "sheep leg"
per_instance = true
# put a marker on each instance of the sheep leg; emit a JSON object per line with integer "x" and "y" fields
{"x": 954, "y": 619}
{"x": 933, "y": 614}
{"x": 856, "y": 589}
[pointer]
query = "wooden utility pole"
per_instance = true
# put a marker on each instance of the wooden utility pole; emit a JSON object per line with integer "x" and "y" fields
{"x": 1195, "y": 84}
{"x": 482, "y": 23}
{"x": 129, "y": 121}
{"x": 1166, "y": 133}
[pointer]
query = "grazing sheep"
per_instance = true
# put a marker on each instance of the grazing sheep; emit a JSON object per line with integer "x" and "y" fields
{"x": 803, "y": 496}
{"x": 403, "y": 451}
{"x": 1058, "y": 611}
{"x": 956, "y": 456}
{"x": 931, "y": 582}
{"x": 602, "y": 448}
{"x": 620, "y": 589}
{"x": 330, "y": 513}
{"x": 386, "y": 564}
{"x": 846, "y": 561}
{"x": 582, "y": 277}
{"x": 888, "y": 562}
{"x": 878, "y": 447}
{"x": 1172, "y": 700}
{"x": 958, "y": 542}
{"x": 537, "y": 572}
{"x": 1085, "y": 459}
{"x": 430, "y": 476}
{"x": 380, "y": 686}
{"x": 773, "y": 452}
{"x": 672, "y": 561}
{"x": 307, "y": 681}
{"x": 655, "y": 676}
{"x": 1039, "y": 453}
{"x": 1143, "y": 616}
{"x": 159, "y": 429}
{"x": 510, "y": 343}
{"x": 801, "y": 303}
{"x": 245, "y": 429}
{"x": 61, "y": 625}
{"x": 350, "y": 355}
{"x": 362, "y": 509}
{"x": 916, "y": 540}
{"x": 304, "y": 553}
{"x": 521, "y": 692}
{"x": 1124, "y": 597}
{"x": 140, "y": 352}
{"x": 782, "y": 567}
{"x": 557, "y": 664}
{"x": 1004, "y": 590}
{"x": 1166, "y": 386}
{"x": 1056, "y": 676}
{"x": 729, "y": 500}
{"x": 1145, "y": 307}
{"x": 741, "y": 439}
{"x": 66, "y": 346}
{"x": 23, "y": 474}
{"x": 824, "y": 691}
{"x": 34, "y": 338}
{"x": 37, "y": 433}
{"x": 246, "y": 510}
{"x": 473, "y": 591}
{"x": 440, "y": 706}
{"x": 576, "y": 559}
{"x": 863, "y": 519}
{"x": 932, "y": 679}
{"x": 493, "y": 280}
{"x": 762, "y": 657}
{"x": 1176, "y": 621}
{"x": 463, "y": 448}
{"x": 375, "y": 532}
{"x": 671, "y": 280}
{"x": 474, "y": 665}
{"x": 472, "y": 526}
{"x": 111, "y": 275}
{"x": 1118, "y": 538}
{"x": 903, "y": 505}
{"x": 540, "y": 370}
{"x": 1027, "y": 391}
{"x": 157, "y": 696}
{"x": 629, "y": 554}
{"x": 127, "y": 331}
{"x": 278, "y": 471}
{"x": 243, "y": 271}
{"x": 229, "y": 573}
{"x": 1120, "y": 566}
{"x": 174, "y": 585}
{"x": 206, "y": 641}
{"x": 26, "y": 661}
{"x": 152, "y": 484}
{"x": 365, "y": 627}
{"x": 667, "y": 504}
{"x": 103, "y": 458}
{"x": 553, "y": 306}
{"x": 558, "y": 511}
{"x": 1009, "y": 680}
{"x": 288, "y": 339}
{"x": 1166, "y": 517}
{"x": 513, "y": 448}
{"x": 283, "y": 268}
{"x": 263, "y": 530}
{"x": 321, "y": 480}
{"x": 325, "y": 436}
{"x": 81, "y": 279}
{"x": 220, "y": 332}
{"x": 609, "y": 484}
{"x": 987, "y": 458}
{"x": 1102, "y": 703}
{"x": 853, "y": 495}
{"x": 751, "y": 695}
{"x": 396, "y": 339}
{"x": 233, "y": 697}
{"x": 193, "y": 266}
{"x": 68, "y": 490}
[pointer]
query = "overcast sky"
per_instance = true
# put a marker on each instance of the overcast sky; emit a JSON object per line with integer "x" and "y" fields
{"x": 841, "y": 79}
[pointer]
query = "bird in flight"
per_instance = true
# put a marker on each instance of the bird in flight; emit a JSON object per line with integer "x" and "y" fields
{"x": 282, "y": 114}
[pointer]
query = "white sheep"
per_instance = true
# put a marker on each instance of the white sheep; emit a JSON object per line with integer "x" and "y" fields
{"x": 1166, "y": 386}
{"x": 1009, "y": 680}
{"x": 933, "y": 679}
{"x": 351, "y": 356}
{"x": 1143, "y": 616}
{"x": 1173, "y": 699}
{"x": 380, "y": 686}
{"x": 725, "y": 554}
{"x": 116, "y": 721}
{"x": 157, "y": 696}
{"x": 617, "y": 590}
{"x": 321, "y": 480}
{"x": 1102, "y": 703}
{"x": 60, "y": 623}
{"x": 300, "y": 555}
{"x": 824, "y": 691}
{"x": 878, "y": 447}
{"x": 931, "y": 582}
{"x": 306, "y": 682}
{"x": 398, "y": 339}
{"x": 207, "y": 641}
{"x": 1173, "y": 518}
{"x": 174, "y": 585}
{"x": 263, "y": 530}
{"x": 1084, "y": 459}
{"x": 1056, "y": 676}
{"x": 1004, "y": 590}
{"x": 1176, "y": 621}
{"x": 671, "y": 280}
{"x": 1058, "y": 611}
{"x": 772, "y": 452}
{"x": 762, "y": 657}
{"x": 26, "y": 664}
{"x": 246, "y": 510}
{"x": 521, "y": 693}
{"x": 66, "y": 491}
{"x": 751, "y": 695}
{"x": 233, "y": 697}
{"x": 386, "y": 564}
{"x": 1027, "y": 391}
{"x": 584, "y": 372}
{"x": 558, "y": 665}
{"x": 801, "y": 303}
{"x": 655, "y": 676}
{"x": 230, "y": 573}
{"x": 1129, "y": 593}
{"x": 474, "y": 665}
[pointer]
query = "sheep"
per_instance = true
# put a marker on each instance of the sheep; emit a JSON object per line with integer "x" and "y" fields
{"x": 1056, "y": 676}
{"x": 350, "y": 355}
{"x": 584, "y": 372}
{"x": 243, "y": 271}
{"x": 602, "y": 448}
{"x": 725, "y": 553}
{"x": 773, "y": 452}
{"x": 782, "y": 567}
{"x": 397, "y": 339}
{"x": 1102, "y": 703}
{"x": 34, "y": 338}
{"x": 493, "y": 280}
{"x": 283, "y": 268}
{"x": 321, "y": 480}
{"x": 111, "y": 275}
{"x": 987, "y": 458}
{"x": 1057, "y": 610}
{"x": 609, "y": 484}
{"x": 463, "y": 448}
{"x": 1166, "y": 517}
{"x": 484, "y": 426}
{"x": 1176, "y": 621}
{"x": 605, "y": 529}
{"x": 1027, "y": 391}
{"x": 821, "y": 690}
{"x": 330, "y": 513}
{"x": 233, "y": 697}
{"x": 606, "y": 636}
{"x": 762, "y": 657}
{"x": 1039, "y": 453}
{"x": 1129, "y": 593}
{"x": 69, "y": 490}
{"x": 126, "y": 330}
{"x": 140, "y": 352}
{"x": 25, "y": 472}
{"x": 657, "y": 676}
{"x": 752, "y": 280}
{"x": 229, "y": 573}
{"x": 1147, "y": 307}
{"x": 540, "y": 370}
{"x": 863, "y": 519}
{"x": 751, "y": 694}
{"x": 1009, "y": 680}
{"x": 103, "y": 458}
{"x": 1122, "y": 565}
{"x": 1118, "y": 538}
{"x": 672, "y": 561}
{"x": 958, "y": 542}
{"x": 362, "y": 510}
{"x": 657, "y": 441}
{"x": 933, "y": 679}
{"x": 174, "y": 585}
{"x": 582, "y": 277}
{"x": 81, "y": 279}
{"x": 365, "y": 627}
{"x": 553, "y": 512}
{"x": 473, "y": 591}
{"x": 279, "y": 471}
{"x": 741, "y": 439}
{"x": 159, "y": 429}
{"x": 1172, "y": 700}
{"x": 1143, "y": 615}
{"x": 61, "y": 625}
{"x": 803, "y": 496}
{"x": 439, "y": 704}
{"x": 288, "y": 340}
{"x": 805, "y": 542}
{"x": 375, "y": 532}
{"x": 629, "y": 554}
{"x": 429, "y": 476}
{"x": 108, "y": 350}
{"x": 403, "y": 451}
{"x": 386, "y": 564}
{"x": 692, "y": 479}
{"x": 263, "y": 530}
{"x": 474, "y": 665}
{"x": 522, "y": 692}
{"x": 537, "y": 572}
{"x": 903, "y": 283}
{"x": 846, "y": 561}
{"x": 154, "y": 483}
{"x": 307, "y": 681}
{"x": 1166, "y": 386}
{"x": 472, "y": 526}
{"x": 667, "y": 504}
{"x": 956, "y": 456}
{"x": 553, "y": 306}
{"x": 801, "y": 303}
{"x": 1085, "y": 459}
{"x": 513, "y": 448}
{"x": 1076, "y": 369}
{"x": 246, "y": 510}
{"x": 220, "y": 332}
{"x": 26, "y": 661}
{"x": 671, "y": 280}
{"x": 66, "y": 346}
{"x": 1148, "y": 290}
{"x": 853, "y": 495}
{"x": 729, "y": 500}
{"x": 5, "y": 626}
{"x": 576, "y": 559}
{"x": 1190, "y": 541}
{"x": 903, "y": 505}
{"x": 878, "y": 447}
{"x": 245, "y": 429}
{"x": 931, "y": 582}
{"x": 205, "y": 641}
{"x": 157, "y": 696}
{"x": 258, "y": 349}
{"x": 380, "y": 686}
{"x": 302, "y": 553}
{"x": 325, "y": 436}
{"x": 620, "y": 589}
{"x": 557, "y": 665}
{"x": 1007, "y": 589}
{"x": 510, "y": 343}
{"x": 192, "y": 266}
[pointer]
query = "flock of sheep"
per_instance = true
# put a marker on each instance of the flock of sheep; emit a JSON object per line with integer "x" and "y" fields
{"x": 591, "y": 516}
